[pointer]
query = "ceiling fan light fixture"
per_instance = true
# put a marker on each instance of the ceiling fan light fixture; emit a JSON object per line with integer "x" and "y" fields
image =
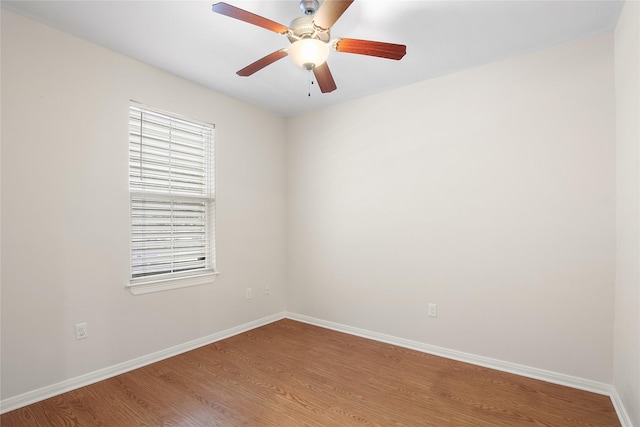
{"x": 309, "y": 53}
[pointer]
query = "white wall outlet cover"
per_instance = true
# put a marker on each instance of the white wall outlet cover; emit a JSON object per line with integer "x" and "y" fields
{"x": 81, "y": 331}
{"x": 433, "y": 310}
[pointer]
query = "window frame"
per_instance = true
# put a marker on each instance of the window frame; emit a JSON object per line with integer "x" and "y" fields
{"x": 155, "y": 282}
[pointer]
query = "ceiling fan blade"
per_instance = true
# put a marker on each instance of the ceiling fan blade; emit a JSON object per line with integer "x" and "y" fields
{"x": 251, "y": 18}
{"x": 329, "y": 12}
{"x": 324, "y": 78}
{"x": 262, "y": 62}
{"x": 371, "y": 48}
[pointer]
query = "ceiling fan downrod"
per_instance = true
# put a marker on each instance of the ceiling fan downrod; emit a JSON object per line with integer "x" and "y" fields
{"x": 309, "y": 7}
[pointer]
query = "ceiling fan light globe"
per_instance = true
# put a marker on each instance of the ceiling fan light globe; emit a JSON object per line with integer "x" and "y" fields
{"x": 308, "y": 53}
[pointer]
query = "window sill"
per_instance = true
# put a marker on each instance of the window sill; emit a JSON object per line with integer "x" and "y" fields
{"x": 175, "y": 283}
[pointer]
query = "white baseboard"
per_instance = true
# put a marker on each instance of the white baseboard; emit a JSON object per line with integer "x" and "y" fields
{"x": 526, "y": 371}
{"x": 37, "y": 395}
{"x": 500, "y": 365}
{"x": 623, "y": 415}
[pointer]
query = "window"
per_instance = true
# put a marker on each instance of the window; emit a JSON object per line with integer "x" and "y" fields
{"x": 172, "y": 202}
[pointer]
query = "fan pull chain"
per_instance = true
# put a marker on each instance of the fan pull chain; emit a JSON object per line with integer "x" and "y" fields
{"x": 309, "y": 86}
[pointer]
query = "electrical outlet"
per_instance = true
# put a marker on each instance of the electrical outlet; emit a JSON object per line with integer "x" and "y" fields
{"x": 432, "y": 310}
{"x": 81, "y": 331}
{"x": 249, "y": 293}
{"x": 266, "y": 290}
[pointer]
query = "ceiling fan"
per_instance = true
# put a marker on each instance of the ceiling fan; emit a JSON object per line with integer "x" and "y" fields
{"x": 310, "y": 39}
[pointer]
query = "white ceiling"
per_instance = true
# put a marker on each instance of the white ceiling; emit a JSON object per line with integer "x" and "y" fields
{"x": 442, "y": 37}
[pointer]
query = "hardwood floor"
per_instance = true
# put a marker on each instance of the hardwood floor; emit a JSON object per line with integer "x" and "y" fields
{"x": 292, "y": 374}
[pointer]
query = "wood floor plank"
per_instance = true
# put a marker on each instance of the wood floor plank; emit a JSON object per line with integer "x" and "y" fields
{"x": 292, "y": 374}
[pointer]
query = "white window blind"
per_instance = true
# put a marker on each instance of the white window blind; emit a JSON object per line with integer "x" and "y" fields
{"x": 171, "y": 184}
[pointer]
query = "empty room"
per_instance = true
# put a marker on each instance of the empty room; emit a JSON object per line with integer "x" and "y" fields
{"x": 320, "y": 213}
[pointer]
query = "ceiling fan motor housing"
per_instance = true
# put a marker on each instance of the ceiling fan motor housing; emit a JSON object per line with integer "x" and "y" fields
{"x": 303, "y": 28}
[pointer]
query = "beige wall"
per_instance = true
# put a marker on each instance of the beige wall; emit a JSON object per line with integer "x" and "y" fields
{"x": 626, "y": 375}
{"x": 490, "y": 192}
{"x": 65, "y": 210}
